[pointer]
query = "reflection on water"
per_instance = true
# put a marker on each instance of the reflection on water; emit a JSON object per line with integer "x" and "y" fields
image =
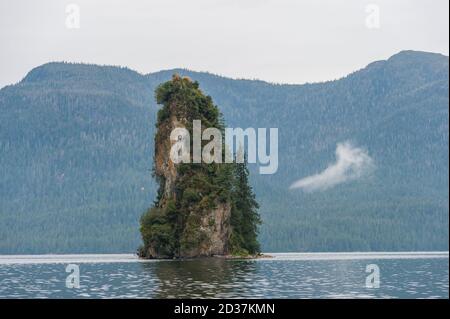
{"x": 200, "y": 278}
{"x": 220, "y": 278}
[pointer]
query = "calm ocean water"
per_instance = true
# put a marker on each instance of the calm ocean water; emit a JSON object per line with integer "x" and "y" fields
{"x": 305, "y": 275}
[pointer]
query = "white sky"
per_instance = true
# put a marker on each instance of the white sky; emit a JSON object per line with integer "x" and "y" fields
{"x": 284, "y": 41}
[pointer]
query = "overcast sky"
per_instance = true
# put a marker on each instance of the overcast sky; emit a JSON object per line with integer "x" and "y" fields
{"x": 288, "y": 41}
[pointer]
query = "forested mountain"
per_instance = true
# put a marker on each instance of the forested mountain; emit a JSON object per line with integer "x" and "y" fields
{"x": 76, "y": 150}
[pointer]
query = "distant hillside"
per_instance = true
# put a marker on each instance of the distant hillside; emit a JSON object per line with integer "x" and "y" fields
{"x": 76, "y": 148}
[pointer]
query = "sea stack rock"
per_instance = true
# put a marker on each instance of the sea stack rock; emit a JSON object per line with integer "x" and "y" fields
{"x": 191, "y": 215}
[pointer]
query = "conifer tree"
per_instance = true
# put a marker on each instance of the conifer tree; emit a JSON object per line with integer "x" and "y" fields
{"x": 244, "y": 217}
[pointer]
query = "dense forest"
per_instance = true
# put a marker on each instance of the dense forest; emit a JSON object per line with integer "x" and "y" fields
{"x": 76, "y": 151}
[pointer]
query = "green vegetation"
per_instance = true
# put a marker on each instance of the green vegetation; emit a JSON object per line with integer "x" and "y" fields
{"x": 244, "y": 215}
{"x": 174, "y": 225}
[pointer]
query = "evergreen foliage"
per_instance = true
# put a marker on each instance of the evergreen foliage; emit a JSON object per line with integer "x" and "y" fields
{"x": 244, "y": 216}
{"x": 173, "y": 226}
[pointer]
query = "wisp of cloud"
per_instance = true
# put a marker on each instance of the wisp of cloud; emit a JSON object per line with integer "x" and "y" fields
{"x": 351, "y": 163}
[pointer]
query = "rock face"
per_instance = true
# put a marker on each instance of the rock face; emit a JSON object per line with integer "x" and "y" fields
{"x": 164, "y": 167}
{"x": 214, "y": 223}
{"x": 217, "y": 233}
{"x": 191, "y": 216}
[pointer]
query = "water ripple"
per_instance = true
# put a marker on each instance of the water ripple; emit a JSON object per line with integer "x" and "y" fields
{"x": 286, "y": 276}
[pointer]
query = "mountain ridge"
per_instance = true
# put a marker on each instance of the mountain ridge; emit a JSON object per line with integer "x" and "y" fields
{"x": 165, "y": 72}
